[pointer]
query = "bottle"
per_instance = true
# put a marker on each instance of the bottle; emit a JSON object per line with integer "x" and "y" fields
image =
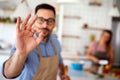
{"x": 100, "y": 72}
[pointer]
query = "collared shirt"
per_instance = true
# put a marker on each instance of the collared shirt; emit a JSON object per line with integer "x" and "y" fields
{"x": 33, "y": 59}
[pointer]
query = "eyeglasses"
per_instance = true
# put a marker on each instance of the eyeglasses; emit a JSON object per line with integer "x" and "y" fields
{"x": 50, "y": 21}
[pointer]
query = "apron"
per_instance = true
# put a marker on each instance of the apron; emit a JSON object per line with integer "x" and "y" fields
{"x": 101, "y": 55}
{"x": 48, "y": 66}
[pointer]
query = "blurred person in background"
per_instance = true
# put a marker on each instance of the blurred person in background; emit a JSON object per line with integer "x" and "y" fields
{"x": 37, "y": 53}
{"x": 101, "y": 50}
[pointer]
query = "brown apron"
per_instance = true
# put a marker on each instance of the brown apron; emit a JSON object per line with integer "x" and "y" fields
{"x": 101, "y": 55}
{"x": 48, "y": 66}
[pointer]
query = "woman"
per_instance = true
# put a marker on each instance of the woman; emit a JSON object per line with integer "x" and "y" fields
{"x": 101, "y": 50}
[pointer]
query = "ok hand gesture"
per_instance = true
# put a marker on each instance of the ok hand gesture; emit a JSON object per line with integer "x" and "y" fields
{"x": 25, "y": 41}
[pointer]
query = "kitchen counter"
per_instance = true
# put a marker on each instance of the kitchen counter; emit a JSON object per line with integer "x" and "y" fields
{"x": 74, "y": 74}
{"x": 83, "y": 75}
{"x": 73, "y": 56}
{"x": 4, "y": 52}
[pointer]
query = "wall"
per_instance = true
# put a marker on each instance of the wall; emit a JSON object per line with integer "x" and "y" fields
{"x": 7, "y": 33}
{"x": 118, "y": 4}
{"x": 93, "y": 15}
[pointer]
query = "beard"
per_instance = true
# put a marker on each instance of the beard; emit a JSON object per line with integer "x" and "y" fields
{"x": 45, "y": 31}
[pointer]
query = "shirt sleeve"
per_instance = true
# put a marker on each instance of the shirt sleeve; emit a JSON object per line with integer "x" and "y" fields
{"x": 3, "y": 69}
{"x": 11, "y": 53}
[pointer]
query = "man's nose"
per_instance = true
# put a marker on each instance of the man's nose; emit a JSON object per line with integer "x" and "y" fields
{"x": 45, "y": 24}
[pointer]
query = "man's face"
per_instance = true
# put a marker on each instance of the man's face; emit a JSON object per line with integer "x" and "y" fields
{"x": 45, "y": 22}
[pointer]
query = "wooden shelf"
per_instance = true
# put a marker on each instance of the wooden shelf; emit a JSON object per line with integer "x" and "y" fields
{"x": 7, "y": 9}
{"x": 72, "y": 17}
{"x": 70, "y": 36}
{"x": 95, "y": 3}
{"x": 7, "y": 23}
{"x": 92, "y": 28}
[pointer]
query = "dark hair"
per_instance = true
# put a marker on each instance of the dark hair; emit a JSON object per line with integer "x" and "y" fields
{"x": 108, "y": 43}
{"x": 45, "y": 6}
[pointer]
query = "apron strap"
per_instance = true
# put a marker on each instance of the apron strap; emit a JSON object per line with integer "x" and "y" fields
{"x": 54, "y": 48}
{"x": 39, "y": 51}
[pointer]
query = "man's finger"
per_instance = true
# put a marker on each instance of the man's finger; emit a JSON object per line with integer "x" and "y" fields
{"x": 32, "y": 22}
{"x": 27, "y": 19}
{"x": 18, "y": 24}
{"x": 33, "y": 30}
{"x": 40, "y": 37}
{"x": 36, "y": 29}
{"x": 23, "y": 26}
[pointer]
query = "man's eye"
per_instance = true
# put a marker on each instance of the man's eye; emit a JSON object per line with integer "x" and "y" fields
{"x": 51, "y": 20}
{"x": 41, "y": 19}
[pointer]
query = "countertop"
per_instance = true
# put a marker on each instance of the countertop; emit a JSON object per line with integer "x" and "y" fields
{"x": 83, "y": 75}
{"x": 4, "y": 51}
{"x": 74, "y": 74}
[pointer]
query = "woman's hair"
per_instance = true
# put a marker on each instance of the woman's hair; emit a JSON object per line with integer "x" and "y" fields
{"x": 108, "y": 43}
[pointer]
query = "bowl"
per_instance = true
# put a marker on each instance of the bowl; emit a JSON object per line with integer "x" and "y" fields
{"x": 77, "y": 66}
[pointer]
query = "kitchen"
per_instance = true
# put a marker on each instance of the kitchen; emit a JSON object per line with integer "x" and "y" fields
{"x": 78, "y": 23}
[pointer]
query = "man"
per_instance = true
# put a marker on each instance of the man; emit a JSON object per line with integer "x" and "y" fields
{"x": 36, "y": 55}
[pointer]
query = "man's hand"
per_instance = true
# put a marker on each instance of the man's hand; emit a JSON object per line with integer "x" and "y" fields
{"x": 65, "y": 77}
{"x": 25, "y": 41}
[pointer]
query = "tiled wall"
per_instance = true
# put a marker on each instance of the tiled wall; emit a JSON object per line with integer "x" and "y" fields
{"x": 94, "y": 16}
